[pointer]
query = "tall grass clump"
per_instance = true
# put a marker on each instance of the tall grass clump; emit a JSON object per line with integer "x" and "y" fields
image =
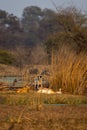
{"x": 69, "y": 72}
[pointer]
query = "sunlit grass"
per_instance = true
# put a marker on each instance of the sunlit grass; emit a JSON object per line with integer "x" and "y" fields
{"x": 33, "y": 99}
{"x": 70, "y": 71}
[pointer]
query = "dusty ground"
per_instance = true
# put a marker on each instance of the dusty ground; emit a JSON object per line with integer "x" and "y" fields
{"x": 48, "y": 118}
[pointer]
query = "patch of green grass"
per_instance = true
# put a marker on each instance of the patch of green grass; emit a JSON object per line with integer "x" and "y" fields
{"x": 32, "y": 98}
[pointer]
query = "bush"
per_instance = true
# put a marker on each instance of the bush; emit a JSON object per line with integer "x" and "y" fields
{"x": 6, "y": 57}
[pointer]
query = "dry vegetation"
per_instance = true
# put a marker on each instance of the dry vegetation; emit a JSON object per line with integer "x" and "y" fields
{"x": 28, "y": 110}
{"x": 7, "y": 70}
{"x": 49, "y": 118}
{"x": 70, "y": 71}
{"x": 37, "y": 112}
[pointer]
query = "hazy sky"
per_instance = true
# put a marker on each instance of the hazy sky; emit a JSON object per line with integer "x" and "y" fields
{"x": 16, "y": 6}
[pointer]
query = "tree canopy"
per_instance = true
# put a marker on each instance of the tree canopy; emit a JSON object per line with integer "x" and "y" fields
{"x": 73, "y": 31}
{"x": 44, "y": 27}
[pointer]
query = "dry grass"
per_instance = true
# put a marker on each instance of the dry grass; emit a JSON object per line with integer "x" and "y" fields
{"x": 7, "y": 70}
{"x": 50, "y": 118}
{"x": 70, "y": 71}
{"x": 33, "y": 99}
{"x": 32, "y": 111}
